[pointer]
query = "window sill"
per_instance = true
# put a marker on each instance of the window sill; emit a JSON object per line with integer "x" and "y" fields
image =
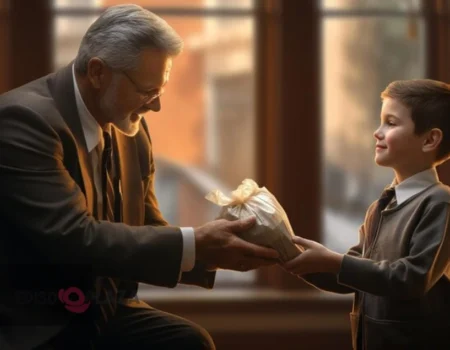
{"x": 255, "y": 310}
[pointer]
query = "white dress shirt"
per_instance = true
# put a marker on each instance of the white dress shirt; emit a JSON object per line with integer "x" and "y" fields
{"x": 94, "y": 142}
{"x": 415, "y": 184}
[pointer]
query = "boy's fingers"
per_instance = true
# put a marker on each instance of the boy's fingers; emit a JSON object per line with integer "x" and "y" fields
{"x": 302, "y": 241}
{"x": 293, "y": 264}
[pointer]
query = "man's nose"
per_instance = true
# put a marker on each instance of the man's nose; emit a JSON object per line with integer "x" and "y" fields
{"x": 154, "y": 105}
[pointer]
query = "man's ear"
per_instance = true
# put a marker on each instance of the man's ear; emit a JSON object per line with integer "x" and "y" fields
{"x": 433, "y": 140}
{"x": 97, "y": 72}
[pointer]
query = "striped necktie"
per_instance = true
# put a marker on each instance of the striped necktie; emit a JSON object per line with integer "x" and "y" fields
{"x": 107, "y": 185}
{"x": 106, "y": 287}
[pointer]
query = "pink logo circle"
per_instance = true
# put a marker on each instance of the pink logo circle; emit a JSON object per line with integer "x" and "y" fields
{"x": 76, "y": 306}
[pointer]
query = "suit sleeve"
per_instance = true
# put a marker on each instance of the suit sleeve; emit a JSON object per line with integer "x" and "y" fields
{"x": 414, "y": 275}
{"x": 198, "y": 275}
{"x": 45, "y": 206}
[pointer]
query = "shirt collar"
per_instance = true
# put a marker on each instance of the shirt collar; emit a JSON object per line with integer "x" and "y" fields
{"x": 91, "y": 129}
{"x": 415, "y": 184}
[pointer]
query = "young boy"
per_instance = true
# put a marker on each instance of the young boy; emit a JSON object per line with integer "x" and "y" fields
{"x": 400, "y": 270}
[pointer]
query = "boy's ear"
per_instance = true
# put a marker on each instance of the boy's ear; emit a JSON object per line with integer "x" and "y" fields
{"x": 433, "y": 140}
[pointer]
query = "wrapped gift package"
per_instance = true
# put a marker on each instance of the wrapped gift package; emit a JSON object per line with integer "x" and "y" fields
{"x": 272, "y": 228}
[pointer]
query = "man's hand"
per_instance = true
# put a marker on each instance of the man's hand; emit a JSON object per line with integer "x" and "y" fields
{"x": 218, "y": 246}
{"x": 314, "y": 258}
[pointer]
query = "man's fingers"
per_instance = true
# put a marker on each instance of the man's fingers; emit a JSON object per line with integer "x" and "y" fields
{"x": 243, "y": 224}
{"x": 257, "y": 251}
{"x": 265, "y": 253}
{"x": 248, "y": 248}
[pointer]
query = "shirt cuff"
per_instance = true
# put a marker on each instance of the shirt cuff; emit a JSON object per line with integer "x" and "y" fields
{"x": 188, "y": 257}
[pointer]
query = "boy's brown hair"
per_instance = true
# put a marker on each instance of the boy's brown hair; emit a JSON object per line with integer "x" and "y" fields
{"x": 429, "y": 101}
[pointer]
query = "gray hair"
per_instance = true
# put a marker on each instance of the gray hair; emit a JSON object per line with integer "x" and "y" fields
{"x": 120, "y": 34}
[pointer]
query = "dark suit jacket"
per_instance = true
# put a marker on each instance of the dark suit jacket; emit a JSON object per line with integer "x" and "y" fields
{"x": 49, "y": 237}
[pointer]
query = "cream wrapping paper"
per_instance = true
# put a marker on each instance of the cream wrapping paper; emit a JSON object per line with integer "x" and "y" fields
{"x": 272, "y": 228}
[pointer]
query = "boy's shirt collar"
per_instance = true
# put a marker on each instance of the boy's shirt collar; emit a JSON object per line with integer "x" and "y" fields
{"x": 415, "y": 184}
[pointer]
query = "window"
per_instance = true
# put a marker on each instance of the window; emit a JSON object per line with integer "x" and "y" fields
{"x": 289, "y": 141}
{"x": 361, "y": 53}
{"x": 204, "y": 136}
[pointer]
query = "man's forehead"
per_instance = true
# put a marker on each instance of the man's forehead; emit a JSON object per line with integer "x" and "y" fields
{"x": 154, "y": 58}
{"x": 155, "y": 67}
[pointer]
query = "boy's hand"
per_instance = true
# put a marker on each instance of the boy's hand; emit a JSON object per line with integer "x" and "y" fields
{"x": 314, "y": 258}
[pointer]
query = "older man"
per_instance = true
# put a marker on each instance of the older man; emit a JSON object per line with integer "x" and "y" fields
{"x": 78, "y": 208}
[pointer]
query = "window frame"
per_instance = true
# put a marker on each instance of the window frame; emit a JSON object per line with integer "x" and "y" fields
{"x": 278, "y": 93}
{"x": 287, "y": 53}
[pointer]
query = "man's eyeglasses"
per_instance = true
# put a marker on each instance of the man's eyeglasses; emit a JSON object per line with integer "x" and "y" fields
{"x": 146, "y": 96}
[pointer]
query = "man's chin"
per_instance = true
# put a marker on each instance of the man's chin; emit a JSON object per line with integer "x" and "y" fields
{"x": 129, "y": 126}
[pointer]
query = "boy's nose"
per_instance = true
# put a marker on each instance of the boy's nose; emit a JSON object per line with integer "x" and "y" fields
{"x": 377, "y": 134}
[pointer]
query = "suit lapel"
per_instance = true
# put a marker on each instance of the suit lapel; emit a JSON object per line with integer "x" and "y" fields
{"x": 130, "y": 179}
{"x": 128, "y": 160}
{"x": 64, "y": 95}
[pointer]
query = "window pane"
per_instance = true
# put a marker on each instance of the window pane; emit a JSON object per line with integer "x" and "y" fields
{"x": 227, "y": 4}
{"x": 360, "y": 57}
{"x": 77, "y": 3}
{"x": 204, "y": 136}
{"x": 402, "y": 5}
{"x": 68, "y": 34}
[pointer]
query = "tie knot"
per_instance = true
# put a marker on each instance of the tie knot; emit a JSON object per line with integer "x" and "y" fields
{"x": 386, "y": 197}
{"x": 388, "y": 192}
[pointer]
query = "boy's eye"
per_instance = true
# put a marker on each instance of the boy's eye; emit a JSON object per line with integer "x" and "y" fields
{"x": 390, "y": 123}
